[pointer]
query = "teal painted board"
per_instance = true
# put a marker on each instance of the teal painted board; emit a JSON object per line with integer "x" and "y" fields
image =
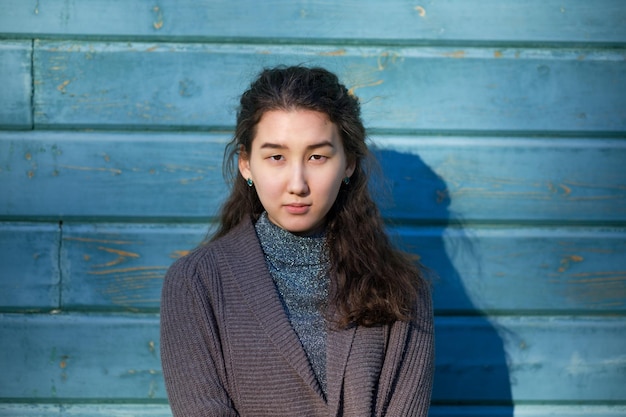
{"x": 115, "y": 357}
{"x": 69, "y": 175}
{"x": 195, "y": 86}
{"x": 601, "y": 21}
{"x": 542, "y": 270}
{"x": 66, "y": 174}
{"x": 152, "y": 410}
{"x": 547, "y": 359}
{"x": 29, "y": 266}
{"x": 523, "y": 410}
{"x": 523, "y": 270}
{"x": 85, "y": 410}
{"x": 29, "y": 410}
{"x": 121, "y": 266}
{"x": 513, "y": 179}
{"x": 16, "y": 80}
{"x": 57, "y": 357}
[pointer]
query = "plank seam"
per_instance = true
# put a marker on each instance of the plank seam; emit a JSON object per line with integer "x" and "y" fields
{"x": 60, "y": 266}
{"x": 32, "y": 84}
{"x": 295, "y": 41}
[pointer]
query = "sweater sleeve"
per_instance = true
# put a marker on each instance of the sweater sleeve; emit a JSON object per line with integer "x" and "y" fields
{"x": 191, "y": 352}
{"x": 411, "y": 391}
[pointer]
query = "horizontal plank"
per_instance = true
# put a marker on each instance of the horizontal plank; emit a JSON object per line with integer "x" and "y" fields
{"x": 511, "y": 179}
{"x": 29, "y": 266}
{"x": 121, "y": 266}
{"x": 398, "y": 21}
{"x": 164, "y": 86}
{"x": 544, "y": 410}
{"x": 521, "y": 359}
{"x": 75, "y": 356}
{"x": 16, "y": 80}
{"x": 120, "y": 175}
{"x": 523, "y": 270}
{"x": 555, "y": 270}
{"x": 163, "y": 410}
{"x": 65, "y": 175}
{"x": 70, "y": 356}
{"x": 86, "y": 410}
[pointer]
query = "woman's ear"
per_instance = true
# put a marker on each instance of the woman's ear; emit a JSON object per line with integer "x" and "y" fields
{"x": 350, "y": 167}
{"x": 244, "y": 165}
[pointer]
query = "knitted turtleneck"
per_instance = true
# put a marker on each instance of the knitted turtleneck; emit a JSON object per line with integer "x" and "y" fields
{"x": 299, "y": 267}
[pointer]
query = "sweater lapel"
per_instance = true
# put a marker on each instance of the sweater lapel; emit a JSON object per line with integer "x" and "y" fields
{"x": 354, "y": 360}
{"x": 257, "y": 288}
{"x": 338, "y": 349}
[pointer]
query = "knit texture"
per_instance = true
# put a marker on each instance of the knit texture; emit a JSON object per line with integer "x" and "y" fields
{"x": 299, "y": 266}
{"x": 228, "y": 348}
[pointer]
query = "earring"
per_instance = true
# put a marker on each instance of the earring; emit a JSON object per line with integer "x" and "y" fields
{"x": 249, "y": 182}
{"x": 346, "y": 180}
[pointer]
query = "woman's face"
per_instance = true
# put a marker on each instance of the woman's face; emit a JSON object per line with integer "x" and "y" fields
{"x": 297, "y": 163}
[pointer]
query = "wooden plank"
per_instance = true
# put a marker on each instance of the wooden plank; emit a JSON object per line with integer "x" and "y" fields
{"x": 513, "y": 179}
{"x": 16, "y": 81}
{"x": 80, "y": 356}
{"x": 163, "y": 410}
{"x": 549, "y": 270}
{"x": 85, "y": 410}
{"x": 523, "y": 410}
{"x": 314, "y": 21}
{"x": 29, "y": 410}
{"x": 65, "y": 175}
{"x": 121, "y": 266}
{"x": 165, "y": 86}
{"x": 523, "y": 270}
{"x": 115, "y": 357}
{"x": 29, "y": 272}
{"x": 520, "y": 359}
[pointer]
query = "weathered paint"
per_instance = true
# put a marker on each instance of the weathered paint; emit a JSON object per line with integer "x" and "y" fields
{"x": 445, "y": 180}
{"x": 541, "y": 270}
{"x": 29, "y": 272}
{"x": 115, "y": 357}
{"x": 162, "y": 410}
{"x": 15, "y": 84}
{"x": 405, "y": 88}
{"x": 458, "y": 21}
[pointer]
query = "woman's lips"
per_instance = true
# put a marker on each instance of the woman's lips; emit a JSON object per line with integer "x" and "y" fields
{"x": 297, "y": 208}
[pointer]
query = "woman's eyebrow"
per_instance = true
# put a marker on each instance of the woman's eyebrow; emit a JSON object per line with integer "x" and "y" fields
{"x": 270, "y": 145}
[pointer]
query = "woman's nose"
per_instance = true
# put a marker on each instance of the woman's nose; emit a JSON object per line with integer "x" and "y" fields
{"x": 297, "y": 181}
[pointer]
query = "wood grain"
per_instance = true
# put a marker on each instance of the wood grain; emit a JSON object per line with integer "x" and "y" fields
{"x": 542, "y": 270}
{"x": 458, "y": 21}
{"x": 29, "y": 266}
{"x": 16, "y": 84}
{"x": 69, "y": 175}
{"x": 115, "y": 357}
{"x": 163, "y": 410}
{"x": 196, "y": 86}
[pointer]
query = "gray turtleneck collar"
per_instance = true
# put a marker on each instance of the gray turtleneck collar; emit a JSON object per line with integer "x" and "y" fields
{"x": 299, "y": 267}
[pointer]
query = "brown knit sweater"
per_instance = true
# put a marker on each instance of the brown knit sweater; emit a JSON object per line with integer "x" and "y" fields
{"x": 228, "y": 349}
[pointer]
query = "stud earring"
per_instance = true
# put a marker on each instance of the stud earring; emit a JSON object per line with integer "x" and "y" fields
{"x": 346, "y": 180}
{"x": 249, "y": 182}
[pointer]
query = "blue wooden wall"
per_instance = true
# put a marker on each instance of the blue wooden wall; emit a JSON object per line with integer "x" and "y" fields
{"x": 500, "y": 125}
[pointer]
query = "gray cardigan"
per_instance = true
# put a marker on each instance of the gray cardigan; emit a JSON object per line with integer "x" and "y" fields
{"x": 228, "y": 349}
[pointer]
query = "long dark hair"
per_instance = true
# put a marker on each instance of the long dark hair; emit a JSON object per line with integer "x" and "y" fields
{"x": 373, "y": 283}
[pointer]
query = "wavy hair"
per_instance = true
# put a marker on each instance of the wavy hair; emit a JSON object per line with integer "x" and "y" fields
{"x": 373, "y": 282}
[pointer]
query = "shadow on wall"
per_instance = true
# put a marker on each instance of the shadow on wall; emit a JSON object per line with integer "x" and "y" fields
{"x": 471, "y": 363}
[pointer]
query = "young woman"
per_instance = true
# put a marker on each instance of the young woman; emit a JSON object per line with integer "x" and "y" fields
{"x": 299, "y": 305}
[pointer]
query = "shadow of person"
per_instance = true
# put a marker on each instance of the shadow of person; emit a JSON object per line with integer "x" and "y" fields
{"x": 471, "y": 362}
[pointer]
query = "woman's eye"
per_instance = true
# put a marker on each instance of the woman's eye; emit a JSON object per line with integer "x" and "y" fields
{"x": 318, "y": 157}
{"x": 276, "y": 157}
